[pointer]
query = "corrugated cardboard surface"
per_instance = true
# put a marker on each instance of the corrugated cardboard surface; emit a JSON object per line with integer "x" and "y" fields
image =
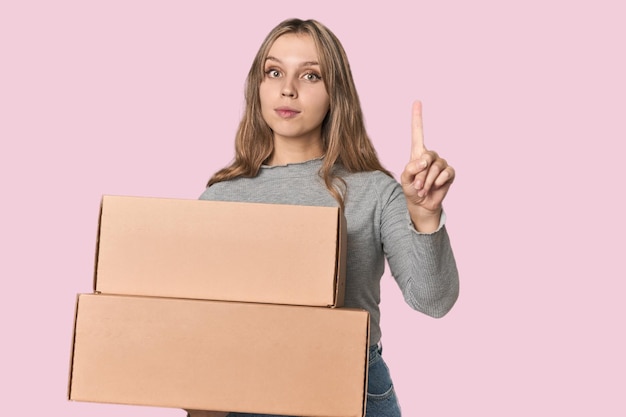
{"x": 265, "y": 253}
{"x": 221, "y": 356}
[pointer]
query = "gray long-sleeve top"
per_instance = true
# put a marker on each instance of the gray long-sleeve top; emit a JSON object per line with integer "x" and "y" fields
{"x": 379, "y": 227}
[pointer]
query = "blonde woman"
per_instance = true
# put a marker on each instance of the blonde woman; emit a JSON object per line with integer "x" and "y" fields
{"x": 302, "y": 140}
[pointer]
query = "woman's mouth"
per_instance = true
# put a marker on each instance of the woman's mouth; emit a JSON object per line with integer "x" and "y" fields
{"x": 286, "y": 112}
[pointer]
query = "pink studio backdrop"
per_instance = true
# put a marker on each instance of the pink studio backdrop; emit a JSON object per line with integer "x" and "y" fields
{"x": 525, "y": 99}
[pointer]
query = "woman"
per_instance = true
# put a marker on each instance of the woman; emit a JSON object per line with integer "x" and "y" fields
{"x": 302, "y": 140}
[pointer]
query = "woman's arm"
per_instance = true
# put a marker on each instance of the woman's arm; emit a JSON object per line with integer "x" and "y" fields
{"x": 418, "y": 251}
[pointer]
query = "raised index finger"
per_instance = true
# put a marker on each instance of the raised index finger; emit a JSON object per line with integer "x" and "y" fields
{"x": 417, "y": 132}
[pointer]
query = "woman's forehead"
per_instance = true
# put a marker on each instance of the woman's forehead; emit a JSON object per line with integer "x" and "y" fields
{"x": 294, "y": 47}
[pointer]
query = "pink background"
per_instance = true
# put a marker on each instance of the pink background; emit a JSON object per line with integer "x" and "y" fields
{"x": 525, "y": 99}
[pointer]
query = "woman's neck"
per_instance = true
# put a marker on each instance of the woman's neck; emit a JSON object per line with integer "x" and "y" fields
{"x": 295, "y": 151}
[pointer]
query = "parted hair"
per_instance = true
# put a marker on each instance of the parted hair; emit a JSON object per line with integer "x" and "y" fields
{"x": 345, "y": 139}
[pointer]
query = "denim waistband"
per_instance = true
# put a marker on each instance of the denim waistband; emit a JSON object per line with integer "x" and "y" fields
{"x": 378, "y": 346}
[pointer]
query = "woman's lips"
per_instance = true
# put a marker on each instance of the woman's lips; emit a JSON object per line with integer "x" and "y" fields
{"x": 286, "y": 112}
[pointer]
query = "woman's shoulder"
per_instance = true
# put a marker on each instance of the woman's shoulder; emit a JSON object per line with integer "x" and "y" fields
{"x": 222, "y": 190}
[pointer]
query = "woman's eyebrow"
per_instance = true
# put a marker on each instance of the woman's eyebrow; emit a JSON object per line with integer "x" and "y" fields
{"x": 303, "y": 64}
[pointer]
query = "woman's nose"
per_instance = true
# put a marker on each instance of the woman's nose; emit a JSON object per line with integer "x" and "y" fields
{"x": 288, "y": 89}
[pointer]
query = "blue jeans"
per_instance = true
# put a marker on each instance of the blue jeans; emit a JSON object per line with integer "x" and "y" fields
{"x": 381, "y": 396}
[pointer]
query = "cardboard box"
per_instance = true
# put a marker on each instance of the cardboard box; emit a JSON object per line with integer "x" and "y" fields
{"x": 265, "y": 253}
{"x": 220, "y": 356}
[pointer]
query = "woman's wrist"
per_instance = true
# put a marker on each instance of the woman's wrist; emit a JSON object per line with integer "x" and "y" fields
{"x": 424, "y": 220}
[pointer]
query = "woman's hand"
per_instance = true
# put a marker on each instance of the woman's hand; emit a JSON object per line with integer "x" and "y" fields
{"x": 426, "y": 179}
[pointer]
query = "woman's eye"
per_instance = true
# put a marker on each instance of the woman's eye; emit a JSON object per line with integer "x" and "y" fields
{"x": 272, "y": 73}
{"x": 311, "y": 76}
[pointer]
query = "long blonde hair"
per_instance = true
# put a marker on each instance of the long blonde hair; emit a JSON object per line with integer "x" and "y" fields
{"x": 344, "y": 136}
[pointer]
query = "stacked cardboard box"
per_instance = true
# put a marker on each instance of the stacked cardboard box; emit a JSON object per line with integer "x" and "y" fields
{"x": 220, "y": 306}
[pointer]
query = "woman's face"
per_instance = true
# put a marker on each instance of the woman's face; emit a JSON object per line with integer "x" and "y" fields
{"x": 293, "y": 96}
